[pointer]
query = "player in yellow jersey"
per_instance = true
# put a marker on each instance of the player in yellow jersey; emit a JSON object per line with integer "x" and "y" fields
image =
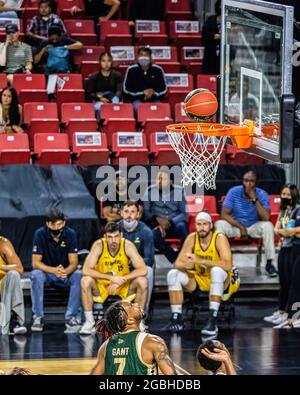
{"x": 107, "y": 272}
{"x": 204, "y": 262}
{"x": 12, "y": 315}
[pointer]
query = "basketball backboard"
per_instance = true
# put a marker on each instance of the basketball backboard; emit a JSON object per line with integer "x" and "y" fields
{"x": 256, "y": 74}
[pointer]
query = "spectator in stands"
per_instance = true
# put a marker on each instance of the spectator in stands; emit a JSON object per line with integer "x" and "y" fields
{"x": 105, "y": 86}
{"x": 54, "y": 261}
{"x": 103, "y": 9}
{"x": 144, "y": 81}
{"x": 141, "y": 236}
{"x": 8, "y": 11}
{"x": 289, "y": 204}
{"x": 246, "y": 213}
{"x": 37, "y": 30}
{"x": 15, "y": 55}
{"x": 165, "y": 212}
{"x": 213, "y": 356}
{"x": 12, "y": 316}
{"x": 10, "y": 112}
{"x": 146, "y": 9}
{"x": 56, "y": 40}
{"x": 211, "y": 34}
{"x": 107, "y": 272}
{"x": 111, "y": 209}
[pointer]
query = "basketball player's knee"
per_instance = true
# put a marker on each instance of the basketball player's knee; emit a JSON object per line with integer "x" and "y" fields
{"x": 86, "y": 282}
{"x": 218, "y": 278}
{"x": 176, "y": 280}
{"x": 142, "y": 283}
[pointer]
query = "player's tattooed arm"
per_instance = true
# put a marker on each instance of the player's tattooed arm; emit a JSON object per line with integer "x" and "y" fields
{"x": 163, "y": 359}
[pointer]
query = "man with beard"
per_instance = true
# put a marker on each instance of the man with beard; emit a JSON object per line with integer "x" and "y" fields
{"x": 246, "y": 213}
{"x": 107, "y": 272}
{"x": 204, "y": 262}
{"x": 126, "y": 350}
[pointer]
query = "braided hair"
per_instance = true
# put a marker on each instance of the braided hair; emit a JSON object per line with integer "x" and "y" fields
{"x": 114, "y": 321}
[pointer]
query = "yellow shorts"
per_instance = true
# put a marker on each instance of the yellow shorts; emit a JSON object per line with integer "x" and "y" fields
{"x": 103, "y": 285}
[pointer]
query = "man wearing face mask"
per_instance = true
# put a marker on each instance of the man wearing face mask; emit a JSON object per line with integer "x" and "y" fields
{"x": 54, "y": 261}
{"x": 144, "y": 82}
{"x": 141, "y": 236}
{"x": 37, "y": 29}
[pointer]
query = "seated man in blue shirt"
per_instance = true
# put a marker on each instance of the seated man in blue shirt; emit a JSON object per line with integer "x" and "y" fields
{"x": 54, "y": 261}
{"x": 141, "y": 236}
{"x": 165, "y": 211}
{"x": 246, "y": 213}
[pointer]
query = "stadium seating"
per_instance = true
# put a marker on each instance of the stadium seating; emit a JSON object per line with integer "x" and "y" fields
{"x": 64, "y": 6}
{"x": 82, "y": 30}
{"x": 130, "y": 146}
{"x": 30, "y": 87}
{"x": 30, "y": 8}
{"x": 3, "y": 81}
{"x": 87, "y": 59}
{"x": 151, "y": 33}
{"x": 78, "y": 117}
{"x": 167, "y": 58}
{"x": 154, "y": 117}
{"x": 195, "y": 204}
{"x": 207, "y": 81}
{"x": 115, "y": 33}
{"x": 40, "y": 117}
{"x": 275, "y": 207}
{"x": 192, "y": 58}
{"x": 179, "y": 85}
{"x": 14, "y": 149}
{"x": 180, "y": 115}
{"x": 51, "y": 148}
{"x": 72, "y": 91}
{"x": 185, "y": 33}
{"x": 178, "y": 9}
{"x": 90, "y": 153}
{"x": 161, "y": 151}
{"x": 117, "y": 117}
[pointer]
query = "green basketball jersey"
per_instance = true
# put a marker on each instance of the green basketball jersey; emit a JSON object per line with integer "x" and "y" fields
{"x": 123, "y": 355}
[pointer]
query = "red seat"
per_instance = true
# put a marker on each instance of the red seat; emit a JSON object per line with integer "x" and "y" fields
{"x": 82, "y": 30}
{"x": 123, "y": 55}
{"x": 78, "y": 117}
{"x": 3, "y": 81}
{"x": 195, "y": 204}
{"x": 130, "y": 147}
{"x": 236, "y": 156}
{"x": 30, "y": 8}
{"x": 179, "y": 85}
{"x": 72, "y": 90}
{"x": 87, "y": 59}
{"x": 151, "y": 33}
{"x": 86, "y": 153}
{"x": 185, "y": 33}
{"x": 178, "y": 9}
{"x": 30, "y": 87}
{"x": 14, "y": 149}
{"x": 275, "y": 207}
{"x": 117, "y": 117}
{"x": 180, "y": 115}
{"x": 154, "y": 117}
{"x": 192, "y": 59}
{"x": 207, "y": 81}
{"x": 161, "y": 151}
{"x": 115, "y": 33}
{"x": 51, "y": 148}
{"x": 167, "y": 58}
{"x": 64, "y": 7}
{"x": 40, "y": 117}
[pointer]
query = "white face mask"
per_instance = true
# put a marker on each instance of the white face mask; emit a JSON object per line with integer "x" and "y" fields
{"x": 144, "y": 60}
{"x": 129, "y": 225}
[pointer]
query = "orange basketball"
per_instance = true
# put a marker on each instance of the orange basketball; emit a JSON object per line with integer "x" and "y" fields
{"x": 200, "y": 105}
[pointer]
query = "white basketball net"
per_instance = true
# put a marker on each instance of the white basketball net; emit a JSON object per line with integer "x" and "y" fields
{"x": 199, "y": 156}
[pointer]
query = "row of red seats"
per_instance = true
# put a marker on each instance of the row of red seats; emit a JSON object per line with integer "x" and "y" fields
{"x": 174, "y": 9}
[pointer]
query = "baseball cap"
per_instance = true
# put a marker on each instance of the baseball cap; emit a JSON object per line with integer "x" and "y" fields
{"x": 11, "y": 28}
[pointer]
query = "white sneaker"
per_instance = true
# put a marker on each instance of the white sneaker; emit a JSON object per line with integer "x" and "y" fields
{"x": 296, "y": 323}
{"x": 280, "y": 319}
{"x": 271, "y": 318}
{"x": 88, "y": 328}
{"x": 283, "y": 325}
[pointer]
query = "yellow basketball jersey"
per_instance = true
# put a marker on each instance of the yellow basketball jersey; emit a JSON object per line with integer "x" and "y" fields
{"x": 2, "y": 262}
{"x": 114, "y": 265}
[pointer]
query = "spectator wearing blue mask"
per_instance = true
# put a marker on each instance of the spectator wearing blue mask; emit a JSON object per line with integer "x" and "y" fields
{"x": 105, "y": 86}
{"x": 144, "y": 82}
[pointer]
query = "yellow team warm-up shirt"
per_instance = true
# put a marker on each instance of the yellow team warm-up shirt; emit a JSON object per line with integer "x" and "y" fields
{"x": 114, "y": 265}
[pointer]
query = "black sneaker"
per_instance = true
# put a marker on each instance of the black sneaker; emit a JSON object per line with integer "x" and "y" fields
{"x": 176, "y": 324}
{"x": 270, "y": 269}
{"x": 210, "y": 328}
{"x": 15, "y": 328}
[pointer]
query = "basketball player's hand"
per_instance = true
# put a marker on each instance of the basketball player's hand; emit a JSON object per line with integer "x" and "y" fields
{"x": 217, "y": 355}
{"x": 112, "y": 289}
{"x": 190, "y": 261}
{"x": 118, "y": 280}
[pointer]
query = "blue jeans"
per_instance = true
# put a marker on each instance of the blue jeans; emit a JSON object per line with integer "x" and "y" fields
{"x": 40, "y": 278}
{"x": 180, "y": 231}
{"x": 9, "y": 14}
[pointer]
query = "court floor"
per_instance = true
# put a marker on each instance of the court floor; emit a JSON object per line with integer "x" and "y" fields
{"x": 256, "y": 347}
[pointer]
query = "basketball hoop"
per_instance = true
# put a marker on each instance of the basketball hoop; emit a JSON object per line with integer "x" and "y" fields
{"x": 200, "y": 145}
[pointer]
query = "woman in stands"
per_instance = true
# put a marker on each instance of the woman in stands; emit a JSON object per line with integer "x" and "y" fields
{"x": 10, "y": 112}
{"x": 105, "y": 86}
{"x": 289, "y": 205}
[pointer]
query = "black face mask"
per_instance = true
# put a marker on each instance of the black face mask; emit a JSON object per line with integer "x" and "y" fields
{"x": 286, "y": 202}
{"x": 56, "y": 232}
